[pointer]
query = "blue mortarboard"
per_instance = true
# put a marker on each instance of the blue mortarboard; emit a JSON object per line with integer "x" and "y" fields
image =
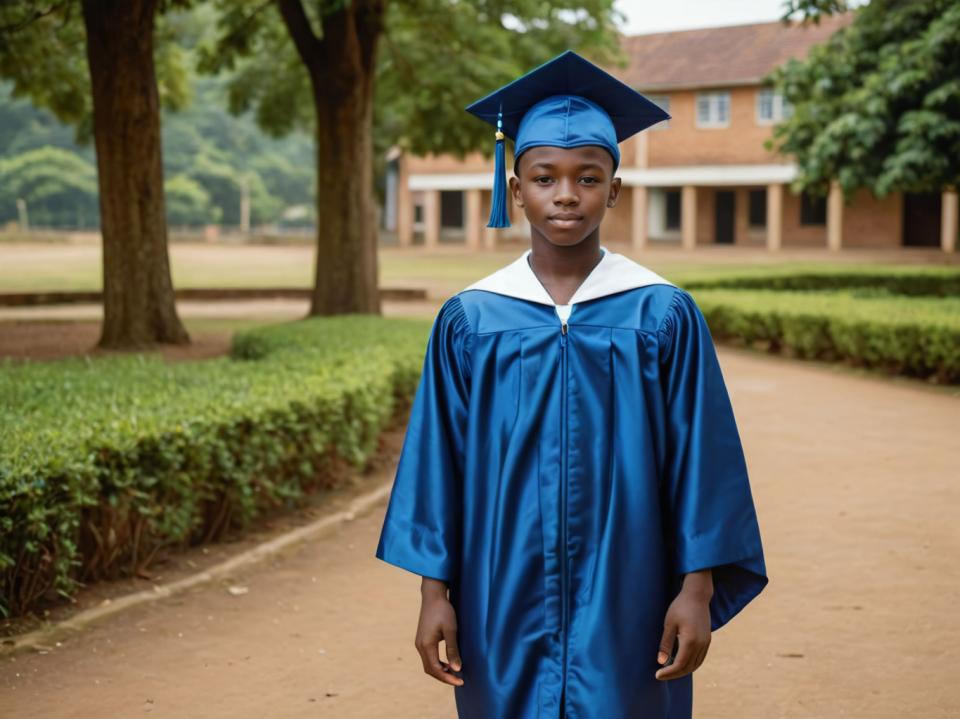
{"x": 566, "y": 102}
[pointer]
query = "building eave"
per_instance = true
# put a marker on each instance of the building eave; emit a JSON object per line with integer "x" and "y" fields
{"x": 676, "y": 176}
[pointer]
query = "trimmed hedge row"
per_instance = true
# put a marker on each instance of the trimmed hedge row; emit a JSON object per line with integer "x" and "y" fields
{"x": 916, "y": 336}
{"x": 908, "y": 281}
{"x": 105, "y": 463}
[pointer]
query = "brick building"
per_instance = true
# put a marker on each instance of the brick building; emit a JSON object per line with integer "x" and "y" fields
{"x": 703, "y": 177}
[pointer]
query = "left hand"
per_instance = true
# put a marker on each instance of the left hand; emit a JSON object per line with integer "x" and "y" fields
{"x": 688, "y": 618}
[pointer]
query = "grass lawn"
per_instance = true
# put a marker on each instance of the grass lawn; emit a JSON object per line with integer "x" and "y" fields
{"x": 36, "y": 267}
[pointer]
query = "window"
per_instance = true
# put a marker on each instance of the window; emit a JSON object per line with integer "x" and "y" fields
{"x": 663, "y": 102}
{"x": 772, "y": 107}
{"x": 672, "y": 220}
{"x": 813, "y": 209}
{"x": 758, "y": 208}
{"x": 713, "y": 109}
{"x": 418, "y": 213}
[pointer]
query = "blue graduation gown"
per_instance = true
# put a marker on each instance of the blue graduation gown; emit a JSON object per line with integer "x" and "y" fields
{"x": 563, "y": 467}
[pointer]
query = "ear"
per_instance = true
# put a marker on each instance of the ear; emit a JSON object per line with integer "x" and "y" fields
{"x": 614, "y": 191}
{"x": 515, "y": 191}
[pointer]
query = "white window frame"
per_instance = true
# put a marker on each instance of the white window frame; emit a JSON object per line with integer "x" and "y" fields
{"x": 663, "y": 102}
{"x": 779, "y": 107}
{"x": 715, "y": 99}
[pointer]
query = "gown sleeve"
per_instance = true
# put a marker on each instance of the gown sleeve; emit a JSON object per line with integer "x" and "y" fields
{"x": 421, "y": 529}
{"x": 712, "y": 522}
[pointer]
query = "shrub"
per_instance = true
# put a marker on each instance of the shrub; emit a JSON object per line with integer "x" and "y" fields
{"x": 918, "y": 336}
{"x": 893, "y": 280}
{"x": 104, "y": 463}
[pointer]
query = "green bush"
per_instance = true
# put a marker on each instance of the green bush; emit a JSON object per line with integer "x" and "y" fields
{"x": 893, "y": 280}
{"x": 104, "y": 463}
{"x": 918, "y": 336}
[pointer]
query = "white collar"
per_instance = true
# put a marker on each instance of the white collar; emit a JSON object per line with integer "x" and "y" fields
{"x": 614, "y": 273}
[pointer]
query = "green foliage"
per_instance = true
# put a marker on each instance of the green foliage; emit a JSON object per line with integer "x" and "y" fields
{"x": 194, "y": 138}
{"x": 434, "y": 58}
{"x": 902, "y": 280}
{"x": 878, "y": 104}
{"x": 863, "y": 326}
{"x": 813, "y": 10}
{"x": 201, "y": 139}
{"x": 43, "y": 53}
{"x": 188, "y": 204}
{"x": 60, "y": 188}
{"x": 439, "y": 56}
{"x": 105, "y": 463}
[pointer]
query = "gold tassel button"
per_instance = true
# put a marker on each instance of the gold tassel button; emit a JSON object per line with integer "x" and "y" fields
{"x": 499, "y": 135}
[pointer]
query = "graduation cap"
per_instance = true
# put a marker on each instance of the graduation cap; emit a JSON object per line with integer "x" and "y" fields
{"x": 565, "y": 102}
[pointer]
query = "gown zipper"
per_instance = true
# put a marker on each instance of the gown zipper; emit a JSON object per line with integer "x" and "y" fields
{"x": 563, "y": 512}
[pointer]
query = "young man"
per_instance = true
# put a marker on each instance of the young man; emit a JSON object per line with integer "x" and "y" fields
{"x": 572, "y": 472}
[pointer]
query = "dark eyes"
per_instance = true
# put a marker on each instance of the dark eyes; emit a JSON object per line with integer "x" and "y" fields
{"x": 546, "y": 179}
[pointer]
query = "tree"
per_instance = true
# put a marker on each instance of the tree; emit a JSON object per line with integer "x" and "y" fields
{"x": 188, "y": 203}
{"x": 59, "y": 187}
{"x": 877, "y": 105}
{"x": 439, "y": 55}
{"x": 116, "y": 99}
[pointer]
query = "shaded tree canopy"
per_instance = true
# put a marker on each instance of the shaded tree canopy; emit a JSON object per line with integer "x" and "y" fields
{"x": 60, "y": 186}
{"x": 43, "y": 54}
{"x": 196, "y": 127}
{"x": 435, "y": 57}
{"x": 877, "y": 105}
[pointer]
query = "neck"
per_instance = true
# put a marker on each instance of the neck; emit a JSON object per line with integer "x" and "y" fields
{"x": 564, "y": 262}
{"x": 562, "y": 269}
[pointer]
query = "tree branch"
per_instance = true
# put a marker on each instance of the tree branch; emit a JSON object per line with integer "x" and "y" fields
{"x": 369, "y": 26}
{"x": 244, "y": 24}
{"x": 36, "y": 15}
{"x": 298, "y": 25}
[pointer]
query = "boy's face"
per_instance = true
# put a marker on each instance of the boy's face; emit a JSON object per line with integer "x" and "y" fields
{"x": 565, "y": 191}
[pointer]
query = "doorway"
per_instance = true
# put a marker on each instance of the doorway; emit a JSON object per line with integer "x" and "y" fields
{"x": 921, "y": 219}
{"x": 723, "y": 216}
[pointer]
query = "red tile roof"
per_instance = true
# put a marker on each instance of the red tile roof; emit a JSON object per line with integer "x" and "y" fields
{"x": 717, "y": 56}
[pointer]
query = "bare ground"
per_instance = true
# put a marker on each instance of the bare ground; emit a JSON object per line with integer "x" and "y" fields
{"x": 855, "y": 483}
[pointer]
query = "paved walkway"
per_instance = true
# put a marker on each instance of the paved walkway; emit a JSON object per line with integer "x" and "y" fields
{"x": 855, "y": 480}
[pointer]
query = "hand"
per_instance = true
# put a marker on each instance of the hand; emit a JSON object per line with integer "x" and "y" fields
{"x": 438, "y": 621}
{"x": 688, "y": 618}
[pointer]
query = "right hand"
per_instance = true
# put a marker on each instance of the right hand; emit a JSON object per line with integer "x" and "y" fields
{"x": 438, "y": 620}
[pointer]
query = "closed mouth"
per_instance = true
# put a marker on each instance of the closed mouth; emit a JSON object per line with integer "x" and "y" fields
{"x": 566, "y": 216}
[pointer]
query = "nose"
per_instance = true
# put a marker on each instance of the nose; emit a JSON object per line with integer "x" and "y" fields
{"x": 565, "y": 194}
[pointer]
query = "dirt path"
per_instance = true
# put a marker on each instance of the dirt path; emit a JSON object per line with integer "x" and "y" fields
{"x": 855, "y": 483}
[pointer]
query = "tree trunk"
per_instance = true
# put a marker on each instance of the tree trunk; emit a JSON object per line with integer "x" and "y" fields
{"x": 342, "y": 67}
{"x": 138, "y": 302}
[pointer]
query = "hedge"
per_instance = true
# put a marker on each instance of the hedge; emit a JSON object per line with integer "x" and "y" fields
{"x": 104, "y": 463}
{"x": 913, "y": 336}
{"x": 893, "y": 280}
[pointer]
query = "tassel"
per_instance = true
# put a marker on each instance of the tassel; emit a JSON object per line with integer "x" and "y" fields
{"x": 498, "y": 200}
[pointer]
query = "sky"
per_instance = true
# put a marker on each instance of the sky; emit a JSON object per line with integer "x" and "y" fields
{"x": 645, "y": 16}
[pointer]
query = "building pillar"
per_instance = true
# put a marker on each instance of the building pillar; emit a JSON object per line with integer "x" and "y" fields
{"x": 640, "y": 224}
{"x": 473, "y": 220}
{"x": 490, "y": 237}
{"x": 835, "y": 217}
{"x": 642, "y": 152}
{"x": 949, "y": 220}
{"x": 774, "y": 216}
{"x": 431, "y": 218}
{"x": 404, "y": 205}
{"x": 688, "y": 217}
